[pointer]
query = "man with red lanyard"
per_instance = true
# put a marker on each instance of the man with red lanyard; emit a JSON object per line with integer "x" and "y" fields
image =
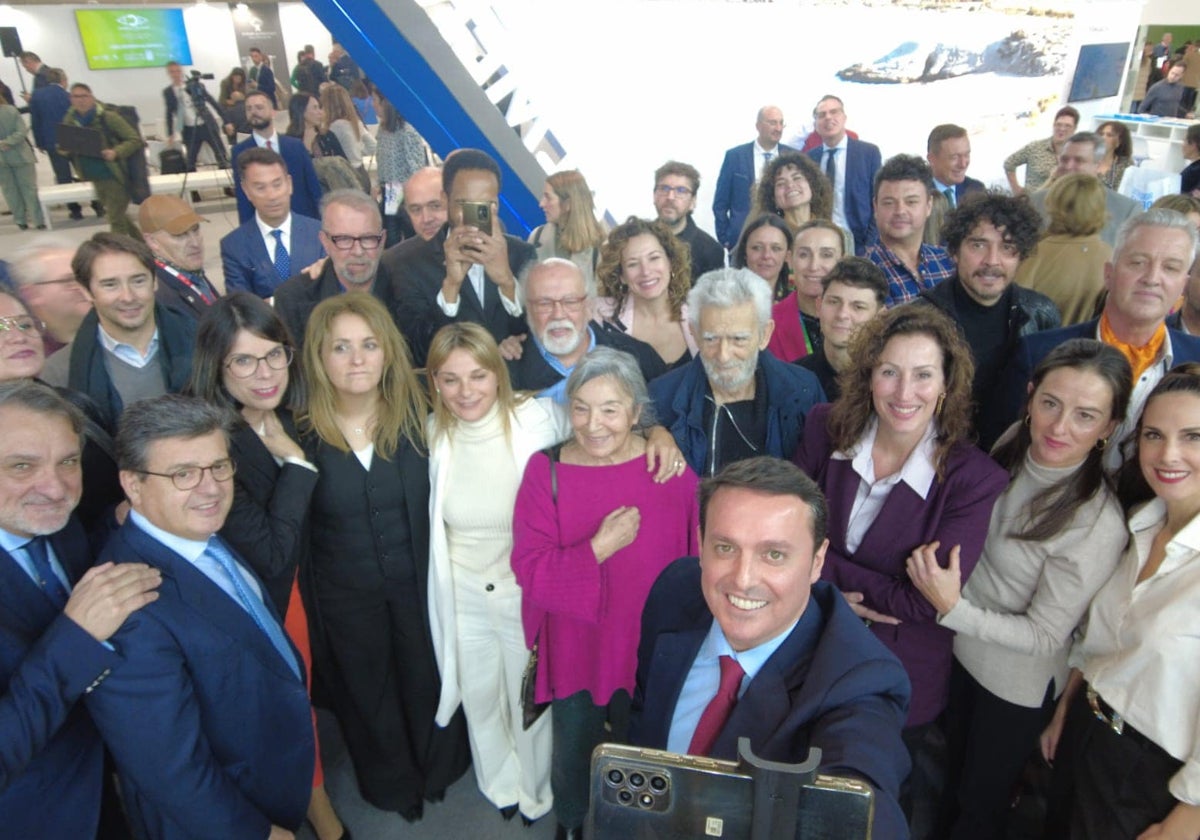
{"x": 172, "y": 230}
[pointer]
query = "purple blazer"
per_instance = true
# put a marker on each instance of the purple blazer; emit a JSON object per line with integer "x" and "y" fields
{"x": 956, "y": 512}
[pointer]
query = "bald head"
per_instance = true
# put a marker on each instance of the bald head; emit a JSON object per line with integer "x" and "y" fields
{"x": 425, "y": 202}
{"x": 769, "y": 125}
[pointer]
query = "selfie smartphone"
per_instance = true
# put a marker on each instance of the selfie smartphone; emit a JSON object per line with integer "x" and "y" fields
{"x": 477, "y": 214}
{"x": 644, "y": 794}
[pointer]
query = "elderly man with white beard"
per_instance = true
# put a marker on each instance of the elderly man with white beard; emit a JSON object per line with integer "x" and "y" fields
{"x": 557, "y": 307}
{"x": 733, "y": 401}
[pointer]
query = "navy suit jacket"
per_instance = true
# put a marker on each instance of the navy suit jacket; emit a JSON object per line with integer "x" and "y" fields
{"x": 51, "y": 758}
{"x": 248, "y": 266}
{"x": 731, "y": 200}
{"x": 968, "y": 186}
{"x": 1033, "y": 348}
{"x": 862, "y": 162}
{"x": 47, "y": 107}
{"x": 829, "y": 685}
{"x": 210, "y": 728}
{"x": 266, "y": 83}
{"x": 306, "y": 189}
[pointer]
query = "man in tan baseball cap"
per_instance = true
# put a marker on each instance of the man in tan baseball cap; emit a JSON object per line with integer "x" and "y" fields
{"x": 172, "y": 230}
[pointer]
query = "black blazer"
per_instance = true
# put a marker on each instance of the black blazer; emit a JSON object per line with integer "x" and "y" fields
{"x": 268, "y": 523}
{"x": 298, "y": 296}
{"x": 532, "y": 372}
{"x": 420, "y": 270}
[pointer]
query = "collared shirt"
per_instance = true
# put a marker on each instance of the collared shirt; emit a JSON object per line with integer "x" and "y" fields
{"x": 1137, "y": 401}
{"x": 127, "y": 353}
{"x": 15, "y": 546}
{"x": 704, "y": 679}
{"x": 264, "y": 230}
{"x": 934, "y": 265}
{"x": 839, "y": 179}
{"x": 760, "y": 158}
{"x": 1139, "y": 649}
{"x": 953, "y": 202}
{"x": 186, "y": 108}
{"x": 478, "y": 280}
{"x": 558, "y": 391}
{"x": 261, "y": 141}
{"x": 918, "y": 472}
{"x": 193, "y": 551}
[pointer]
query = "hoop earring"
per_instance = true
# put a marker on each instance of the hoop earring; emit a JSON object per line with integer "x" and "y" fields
{"x": 1027, "y": 420}
{"x": 1102, "y": 444}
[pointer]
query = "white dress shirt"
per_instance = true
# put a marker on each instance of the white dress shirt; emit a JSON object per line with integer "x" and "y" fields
{"x": 478, "y": 281}
{"x": 760, "y": 159}
{"x": 839, "y": 179}
{"x": 1141, "y": 649}
{"x": 917, "y": 472}
{"x": 264, "y": 230}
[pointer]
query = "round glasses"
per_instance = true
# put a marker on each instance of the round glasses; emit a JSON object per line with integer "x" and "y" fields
{"x": 243, "y": 365}
{"x": 189, "y": 478}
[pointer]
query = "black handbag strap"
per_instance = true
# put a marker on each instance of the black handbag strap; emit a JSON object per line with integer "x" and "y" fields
{"x": 553, "y": 453}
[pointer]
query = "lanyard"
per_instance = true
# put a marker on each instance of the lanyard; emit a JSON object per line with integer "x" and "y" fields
{"x": 187, "y": 281}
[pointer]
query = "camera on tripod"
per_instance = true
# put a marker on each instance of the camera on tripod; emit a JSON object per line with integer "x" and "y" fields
{"x": 195, "y": 86}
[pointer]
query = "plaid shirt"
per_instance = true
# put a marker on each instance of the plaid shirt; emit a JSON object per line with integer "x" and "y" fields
{"x": 935, "y": 265}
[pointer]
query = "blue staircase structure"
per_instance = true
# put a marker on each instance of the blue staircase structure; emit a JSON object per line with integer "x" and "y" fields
{"x": 400, "y": 48}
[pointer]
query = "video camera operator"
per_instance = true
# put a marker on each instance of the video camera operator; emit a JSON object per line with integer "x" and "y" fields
{"x": 188, "y": 101}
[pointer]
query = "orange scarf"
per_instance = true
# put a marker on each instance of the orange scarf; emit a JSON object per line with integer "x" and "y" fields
{"x": 1139, "y": 358}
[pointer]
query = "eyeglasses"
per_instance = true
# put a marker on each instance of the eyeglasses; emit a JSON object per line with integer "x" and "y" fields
{"x": 189, "y": 478}
{"x": 344, "y": 242}
{"x": 666, "y": 189}
{"x": 243, "y": 365}
{"x": 546, "y": 305}
{"x": 21, "y": 323}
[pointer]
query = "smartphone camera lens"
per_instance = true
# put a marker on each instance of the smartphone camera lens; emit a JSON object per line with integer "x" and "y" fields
{"x": 615, "y": 777}
{"x": 646, "y": 801}
{"x": 658, "y": 784}
{"x": 624, "y": 797}
{"x": 636, "y": 780}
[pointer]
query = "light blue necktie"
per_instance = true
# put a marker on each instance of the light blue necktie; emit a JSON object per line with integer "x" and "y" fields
{"x": 949, "y": 193}
{"x": 47, "y": 580}
{"x": 253, "y": 605}
{"x": 283, "y": 262}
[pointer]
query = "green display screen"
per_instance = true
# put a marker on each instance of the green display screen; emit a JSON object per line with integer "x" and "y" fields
{"x": 114, "y": 39}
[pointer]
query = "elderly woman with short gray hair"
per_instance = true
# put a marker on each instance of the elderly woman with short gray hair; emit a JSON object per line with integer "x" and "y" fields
{"x": 591, "y": 532}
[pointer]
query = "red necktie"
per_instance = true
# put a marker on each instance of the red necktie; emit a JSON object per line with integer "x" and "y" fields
{"x": 718, "y": 709}
{"x": 269, "y": 146}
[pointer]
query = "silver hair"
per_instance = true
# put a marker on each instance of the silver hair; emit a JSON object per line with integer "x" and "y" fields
{"x": 1099, "y": 145}
{"x": 726, "y": 287}
{"x": 22, "y": 263}
{"x": 168, "y": 416}
{"x": 1158, "y": 217}
{"x": 523, "y": 287}
{"x": 605, "y": 361}
{"x": 354, "y": 199}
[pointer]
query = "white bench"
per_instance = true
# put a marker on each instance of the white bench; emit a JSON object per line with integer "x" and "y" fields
{"x": 83, "y": 192}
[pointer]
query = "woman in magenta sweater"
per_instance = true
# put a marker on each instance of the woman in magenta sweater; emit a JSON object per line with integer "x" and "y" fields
{"x": 591, "y": 532}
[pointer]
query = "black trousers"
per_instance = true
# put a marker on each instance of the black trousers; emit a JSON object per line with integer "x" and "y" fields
{"x": 579, "y": 726}
{"x": 988, "y": 741}
{"x": 194, "y": 136}
{"x": 1107, "y": 786}
{"x": 385, "y": 694}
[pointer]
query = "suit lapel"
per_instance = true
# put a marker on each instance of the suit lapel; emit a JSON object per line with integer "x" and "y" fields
{"x": 206, "y": 600}
{"x": 902, "y": 505}
{"x": 673, "y": 656}
{"x": 28, "y": 606}
{"x": 258, "y": 250}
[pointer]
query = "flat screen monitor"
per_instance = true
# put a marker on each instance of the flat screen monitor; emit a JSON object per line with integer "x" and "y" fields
{"x": 1098, "y": 72}
{"x": 115, "y": 39}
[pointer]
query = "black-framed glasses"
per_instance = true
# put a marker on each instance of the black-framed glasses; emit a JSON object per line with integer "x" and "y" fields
{"x": 344, "y": 241}
{"x": 667, "y": 189}
{"x": 189, "y": 478}
{"x": 26, "y": 324}
{"x": 243, "y": 365}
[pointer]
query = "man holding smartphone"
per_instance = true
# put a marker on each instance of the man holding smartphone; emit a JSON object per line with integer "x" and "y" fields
{"x": 470, "y": 270}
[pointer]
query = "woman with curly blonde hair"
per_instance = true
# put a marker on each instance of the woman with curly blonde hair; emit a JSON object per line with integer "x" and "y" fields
{"x": 644, "y": 277}
{"x": 571, "y": 231}
{"x": 894, "y": 458}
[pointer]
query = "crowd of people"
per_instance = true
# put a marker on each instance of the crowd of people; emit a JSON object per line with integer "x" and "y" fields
{"x": 912, "y": 480}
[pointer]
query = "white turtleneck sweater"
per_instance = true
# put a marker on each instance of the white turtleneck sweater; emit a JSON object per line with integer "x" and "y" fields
{"x": 481, "y": 489}
{"x": 1024, "y": 599}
